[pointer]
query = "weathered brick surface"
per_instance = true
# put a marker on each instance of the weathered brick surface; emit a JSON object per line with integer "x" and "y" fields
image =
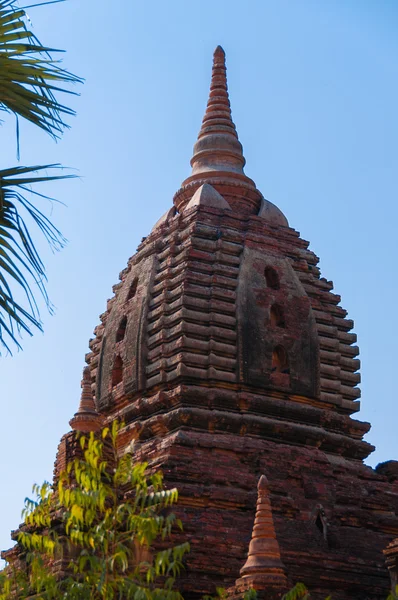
{"x": 217, "y": 473}
{"x": 229, "y": 357}
{"x": 202, "y": 312}
{"x": 239, "y": 361}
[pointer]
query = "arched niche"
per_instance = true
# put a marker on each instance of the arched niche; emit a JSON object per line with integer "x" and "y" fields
{"x": 277, "y": 316}
{"x": 271, "y": 278}
{"x": 121, "y": 330}
{"x": 280, "y": 360}
{"x": 117, "y": 371}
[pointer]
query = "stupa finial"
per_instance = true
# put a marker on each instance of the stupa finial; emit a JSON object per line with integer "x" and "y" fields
{"x": 263, "y": 569}
{"x": 218, "y": 147}
{"x": 218, "y": 118}
{"x": 217, "y": 154}
{"x": 86, "y": 418}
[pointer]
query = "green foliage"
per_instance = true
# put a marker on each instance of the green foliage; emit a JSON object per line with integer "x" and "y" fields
{"x": 93, "y": 536}
{"x": 30, "y": 79}
{"x": 298, "y": 592}
{"x": 19, "y": 259}
{"x": 250, "y": 594}
{"x": 222, "y": 594}
{"x": 392, "y": 596}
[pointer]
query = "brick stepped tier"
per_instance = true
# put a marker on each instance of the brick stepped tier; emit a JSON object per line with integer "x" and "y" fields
{"x": 192, "y": 312}
{"x": 200, "y": 317}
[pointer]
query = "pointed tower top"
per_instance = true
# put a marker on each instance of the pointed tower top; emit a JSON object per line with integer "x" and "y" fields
{"x": 218, "y": 113}
{"x": 218, "y": 156}
{"x": 262, "y": 485}
{"x": 263, "y": 569}
{"x": 218, "y": 147}
{"x": 86, "y": 418}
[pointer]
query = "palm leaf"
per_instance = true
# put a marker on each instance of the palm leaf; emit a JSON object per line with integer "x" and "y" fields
{"x": 29, "y": 76}
{"x": 20, "y": 264}
{"x": 29, "y": 80}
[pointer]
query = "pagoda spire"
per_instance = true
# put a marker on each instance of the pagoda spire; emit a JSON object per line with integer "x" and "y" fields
{"x": 218, "y": 147}
{"x": 218, "y": 118}
{"x": 86, "y": 418}
{"x": 217, "y": 154}
{"x": 263, "y": 570}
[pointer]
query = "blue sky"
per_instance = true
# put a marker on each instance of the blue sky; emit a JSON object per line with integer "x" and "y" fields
{"x": 314, "y": 91}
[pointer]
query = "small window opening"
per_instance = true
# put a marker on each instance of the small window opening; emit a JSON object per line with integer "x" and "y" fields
{"x": 121, "y": 332}
{"x": 277, "y": 316}
{"x": 280, "y": 363}
{"x": 117, "y": 371}
{"x": 133, "y": 289}
{"x": 271, "y": 277}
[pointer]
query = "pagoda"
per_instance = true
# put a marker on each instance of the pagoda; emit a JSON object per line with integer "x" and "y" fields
{"x": 234, "y": 369}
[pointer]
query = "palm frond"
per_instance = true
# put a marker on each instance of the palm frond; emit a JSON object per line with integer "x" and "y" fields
{"x": 20, "y": 264}
{"x": 29, "y": 76}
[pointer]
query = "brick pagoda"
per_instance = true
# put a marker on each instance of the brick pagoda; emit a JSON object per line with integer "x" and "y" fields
{"x": 234, "y": 368}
